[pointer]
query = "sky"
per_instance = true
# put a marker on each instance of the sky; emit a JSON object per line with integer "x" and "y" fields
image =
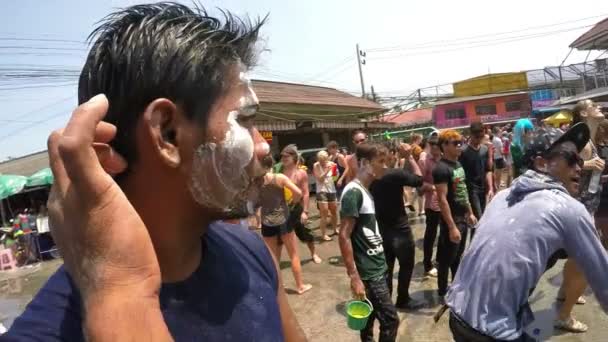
{"x": 408, "y": 45}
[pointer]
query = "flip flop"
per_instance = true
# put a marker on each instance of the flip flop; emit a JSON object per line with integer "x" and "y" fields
{"x": 304, "y": 289}
{"x": 326, "y": 238}
{"x": 316, "y": 259}
{"x": 580, "y": 301}
{"x": 571, "y": 325}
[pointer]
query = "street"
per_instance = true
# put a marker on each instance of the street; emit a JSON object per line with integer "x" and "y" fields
{"x": 321, "y": 310}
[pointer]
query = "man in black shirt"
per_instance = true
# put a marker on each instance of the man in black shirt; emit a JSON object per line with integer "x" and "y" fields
{"x": 398, "y": 240}
{"x": 478, "y": 171}
{"x": 456, "y": 211}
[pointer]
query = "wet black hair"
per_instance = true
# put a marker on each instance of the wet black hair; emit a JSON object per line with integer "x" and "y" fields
{"x": 164, "y": 50}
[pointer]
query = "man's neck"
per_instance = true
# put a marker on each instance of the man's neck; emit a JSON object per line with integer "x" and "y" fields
{"x": 450, "y": 158}
{"x": 175, "y": 224}
{"x": 593, "y": 126}
{"x": 365, "y": 179}
{"x": 475, "y": 146}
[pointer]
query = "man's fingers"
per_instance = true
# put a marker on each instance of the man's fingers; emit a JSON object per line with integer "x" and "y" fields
{"x": 112, "y": 162}
{"x": 104, "y": 132}
{"x": 75, "y": 146}
{"x": 60, "y": 176}
{"x": 85, "y": 118}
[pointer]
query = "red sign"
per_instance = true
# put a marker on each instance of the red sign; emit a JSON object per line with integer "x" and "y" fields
{"x": 267, "y": 135}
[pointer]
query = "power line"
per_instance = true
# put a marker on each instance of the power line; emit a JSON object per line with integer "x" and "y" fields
{"x": 402, "y": 47}
{"x": 20, "y": 116}
{"x": 39, "y": 86}
{"x": 491, "y": 43}
{"x": 34, "y": 124}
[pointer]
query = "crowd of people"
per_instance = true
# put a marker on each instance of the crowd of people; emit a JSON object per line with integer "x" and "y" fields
{"x": 452, "y": 180}
{"x": 173, "y": 261}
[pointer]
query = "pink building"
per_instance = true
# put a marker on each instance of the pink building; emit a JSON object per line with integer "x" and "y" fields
{"x": 491, "y": 109}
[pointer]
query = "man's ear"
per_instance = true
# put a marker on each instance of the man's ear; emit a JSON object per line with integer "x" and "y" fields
{"x": 161, "y": 123}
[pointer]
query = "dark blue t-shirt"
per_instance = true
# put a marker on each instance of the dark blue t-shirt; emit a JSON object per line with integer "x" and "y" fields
{"x": 232, "y": 296}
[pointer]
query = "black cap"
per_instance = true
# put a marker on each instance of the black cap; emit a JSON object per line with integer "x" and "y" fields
{"x": 545, "y": 139}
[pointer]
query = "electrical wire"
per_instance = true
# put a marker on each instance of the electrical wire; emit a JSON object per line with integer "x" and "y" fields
{"x": 403, "y": 47}
{"x": 512, "y": 39}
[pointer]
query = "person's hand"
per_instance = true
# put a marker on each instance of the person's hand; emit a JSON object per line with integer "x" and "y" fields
{"x": 405, "y": 150}
{"x": 596, "y": 164}
{"x": 455, "y": 235}
{"x": 339, "y": 183}
{"x": 104, "y": 243}
{"x": 472, "y": 220}
{"x": 304, "y": 218}
{"x": 357, "y": 287}
{"x": 490, "y": 195}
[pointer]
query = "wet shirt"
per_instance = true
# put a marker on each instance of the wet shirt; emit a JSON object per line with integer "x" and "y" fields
{"x": 387, "y": 193}
{"x": 232, "y": 296}
{"x": 475, "y": 165}
{"x": 357, "y": 203}
{"x": 451, "y": 173}
{"x": 522, "y": 227}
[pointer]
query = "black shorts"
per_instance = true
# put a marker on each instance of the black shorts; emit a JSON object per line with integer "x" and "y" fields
{"x": 499, "y": 163}
{"x": 270, "y": 231}
{"x": 293, "y": 222}
{"x": 326, "y": 197}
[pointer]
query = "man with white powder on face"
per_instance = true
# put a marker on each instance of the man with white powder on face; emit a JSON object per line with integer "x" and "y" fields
{"x": 156, "y": 263}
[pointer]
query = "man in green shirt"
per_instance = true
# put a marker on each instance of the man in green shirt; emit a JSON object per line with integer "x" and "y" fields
{"x": 361, "y": 243}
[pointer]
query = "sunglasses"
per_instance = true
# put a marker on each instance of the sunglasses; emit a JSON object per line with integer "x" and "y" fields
{"x": 359, "y": 141}
{"x": 455, "y": 143}
{"x": 572, "y": 158}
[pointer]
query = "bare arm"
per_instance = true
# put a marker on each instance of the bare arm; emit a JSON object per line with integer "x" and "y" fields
{"x": 303, "y": 185}
{"x": 414, "y": 166}
{"x": 444, "y": 207}
{"x": 284, "y": 182}
{"x": 131, "y": 318}
{"x": 347, "y": 225}
{"x": 319, "y": 172}
{"x": 341, "y": 160}
{"x": 291, "y": 328}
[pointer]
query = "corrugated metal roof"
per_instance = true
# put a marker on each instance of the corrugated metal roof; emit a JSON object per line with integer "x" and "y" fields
{"x": 26, "y": 165}
{"x": 478, "y": 97}
{"x": 594, "y": 39}
{"x": 591, "y": 94}
{"x": 280, "y": 92}
{"x": 412, "y": 117}
{"x": 275, "y": 125}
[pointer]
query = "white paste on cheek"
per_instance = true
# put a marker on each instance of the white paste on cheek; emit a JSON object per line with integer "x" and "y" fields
{"x": 218, "y": 172}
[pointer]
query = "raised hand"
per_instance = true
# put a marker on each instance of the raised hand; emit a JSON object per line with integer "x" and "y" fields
{"x": 105, "y": 245}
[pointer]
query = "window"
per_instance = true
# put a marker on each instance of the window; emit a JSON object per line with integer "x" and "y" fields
{"x": 455, "y": 113}
{"x": 513, "y": 106}
{"x": 489, "y": 109}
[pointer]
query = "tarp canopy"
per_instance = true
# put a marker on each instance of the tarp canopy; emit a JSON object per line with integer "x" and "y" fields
{"x": 11, "y": 184}
{"x": 42, "y": 177}
{"x": 559, "y": 118}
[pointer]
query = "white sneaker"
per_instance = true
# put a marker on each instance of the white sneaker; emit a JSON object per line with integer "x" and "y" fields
{"x": 431, "y": 273}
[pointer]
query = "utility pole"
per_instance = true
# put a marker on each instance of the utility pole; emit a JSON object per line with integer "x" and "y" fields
{"x": 374, "y": 98}
{"x": 361, "y": 62}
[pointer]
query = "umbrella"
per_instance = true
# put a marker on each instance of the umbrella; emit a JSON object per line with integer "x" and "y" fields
{"x": 11, "y": 184}
{"x": 559, "y": 118}
{"x": 42, "y": 177}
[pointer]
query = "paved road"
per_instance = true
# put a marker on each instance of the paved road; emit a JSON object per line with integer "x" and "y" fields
{"x": 321, "y": 310}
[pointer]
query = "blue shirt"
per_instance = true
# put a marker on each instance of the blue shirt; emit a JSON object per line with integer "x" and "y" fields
{"x": 232, "y": 296}
{"x": 520, "y": 230}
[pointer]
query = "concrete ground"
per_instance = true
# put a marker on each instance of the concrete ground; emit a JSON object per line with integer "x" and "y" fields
{"x": 321, "y": 310}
